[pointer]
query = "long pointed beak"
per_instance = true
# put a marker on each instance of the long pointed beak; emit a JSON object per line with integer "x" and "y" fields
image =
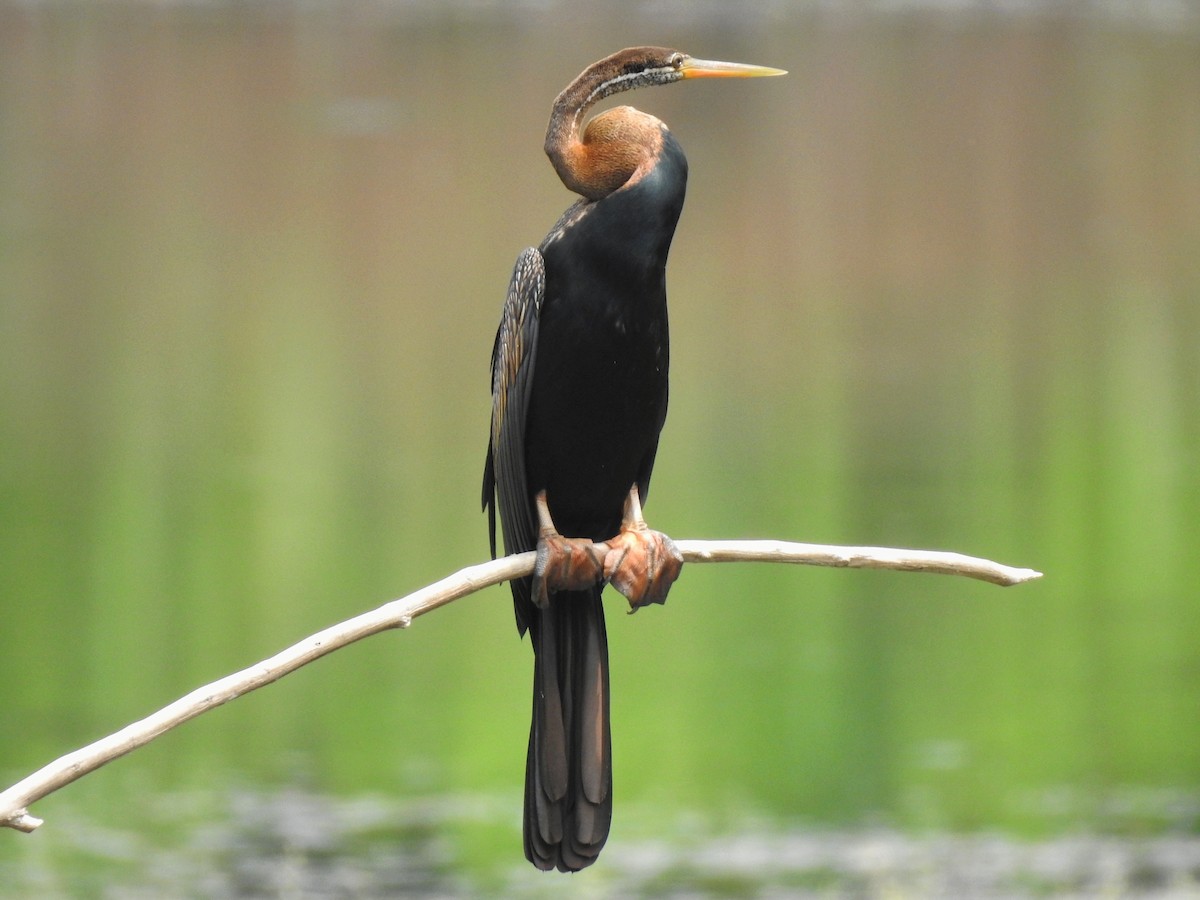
{"x": 711, "y": 68}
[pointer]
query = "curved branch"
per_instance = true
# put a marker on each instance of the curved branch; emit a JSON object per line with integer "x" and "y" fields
{"x": 14, "y": 802}
{"x": 937, "y": 562}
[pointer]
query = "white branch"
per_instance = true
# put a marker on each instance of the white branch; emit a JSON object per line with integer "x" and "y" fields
{"x": 938, "y": 562}
{"x": 400, "y": 613}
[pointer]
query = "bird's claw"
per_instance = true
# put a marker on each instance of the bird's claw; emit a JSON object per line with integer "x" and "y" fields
{"x": 562, "y": 564}
{"x": 565, "y": 564}
{"x": 642, "y": 564}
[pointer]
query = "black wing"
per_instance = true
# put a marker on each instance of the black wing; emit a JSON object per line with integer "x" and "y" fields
{"x": 513, "y": 357}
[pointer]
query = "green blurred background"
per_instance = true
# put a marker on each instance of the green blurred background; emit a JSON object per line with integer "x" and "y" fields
{"x": 938, "y": 287}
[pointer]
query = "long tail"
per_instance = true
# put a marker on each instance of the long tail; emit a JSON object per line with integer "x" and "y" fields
{"x": 568, "y": 774}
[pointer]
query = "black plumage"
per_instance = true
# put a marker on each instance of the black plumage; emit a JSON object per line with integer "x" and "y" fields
{"x": 579, "y": 386}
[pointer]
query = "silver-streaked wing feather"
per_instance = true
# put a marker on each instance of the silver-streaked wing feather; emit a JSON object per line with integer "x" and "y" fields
{"x": 513, "y": 357}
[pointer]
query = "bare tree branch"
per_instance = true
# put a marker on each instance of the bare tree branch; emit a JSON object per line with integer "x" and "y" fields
{"x": 14, "y": 802}
{"x": 937, "y": 562}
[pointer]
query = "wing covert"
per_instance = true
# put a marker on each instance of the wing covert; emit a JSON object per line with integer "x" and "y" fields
{"x": 513, "y": 357}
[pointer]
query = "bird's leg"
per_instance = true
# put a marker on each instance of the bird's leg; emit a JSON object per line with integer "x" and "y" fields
{"x": 563, "y": 564}
{"x": 640, "y": 563}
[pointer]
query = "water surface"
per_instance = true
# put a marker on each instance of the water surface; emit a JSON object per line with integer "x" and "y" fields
{"x": 938, "y": 287}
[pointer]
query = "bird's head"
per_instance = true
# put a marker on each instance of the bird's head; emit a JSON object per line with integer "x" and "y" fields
{"x": 619, "y": 144}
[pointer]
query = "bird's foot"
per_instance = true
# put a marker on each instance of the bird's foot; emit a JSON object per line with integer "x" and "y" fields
{"x": 563, "y": 563}
{"x": 640, "y": 563}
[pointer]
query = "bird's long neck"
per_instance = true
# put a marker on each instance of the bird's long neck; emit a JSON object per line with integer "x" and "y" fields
{"x": 563, "y": 137}
{"x": 596, "y": 161}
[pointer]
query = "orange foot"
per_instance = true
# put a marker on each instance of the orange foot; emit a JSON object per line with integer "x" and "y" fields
{"x": 640, "y": 563}
{"x": 563, "y": 564}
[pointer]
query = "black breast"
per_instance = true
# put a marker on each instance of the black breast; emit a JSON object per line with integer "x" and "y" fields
{"x": 599, "y": 394}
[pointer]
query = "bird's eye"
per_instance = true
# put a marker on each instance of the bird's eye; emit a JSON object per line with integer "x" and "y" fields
{"x": 676, "y": 60}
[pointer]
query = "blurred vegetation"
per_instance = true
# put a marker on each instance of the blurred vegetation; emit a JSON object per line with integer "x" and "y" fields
{"x": 938, "y": 287}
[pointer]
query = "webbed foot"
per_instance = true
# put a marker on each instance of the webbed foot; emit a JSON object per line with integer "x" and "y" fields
{"x": 642, "y": 564}
{"x": 563, "y": 564}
